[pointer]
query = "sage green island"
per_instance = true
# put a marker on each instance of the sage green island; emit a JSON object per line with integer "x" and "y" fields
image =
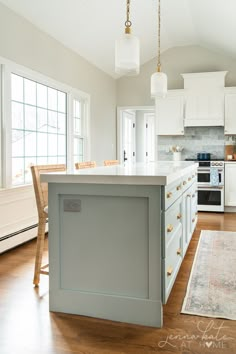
{"x": 117, "y": 237}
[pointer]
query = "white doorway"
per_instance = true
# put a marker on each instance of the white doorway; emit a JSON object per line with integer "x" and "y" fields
{"x": 136, "y": 134}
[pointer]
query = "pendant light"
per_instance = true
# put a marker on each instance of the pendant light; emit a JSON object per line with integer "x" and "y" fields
{"x": 159, "y": 79}
{"x": 127, "y": 49}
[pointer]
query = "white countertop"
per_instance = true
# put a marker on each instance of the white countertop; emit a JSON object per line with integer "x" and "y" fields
{"x": 152, "y": 173}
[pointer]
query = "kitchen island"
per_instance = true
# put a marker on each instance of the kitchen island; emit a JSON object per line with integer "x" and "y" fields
{"x": 118, "y": 235}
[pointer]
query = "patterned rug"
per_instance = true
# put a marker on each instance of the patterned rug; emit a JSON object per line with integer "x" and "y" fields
{"x": 211, "y": 290}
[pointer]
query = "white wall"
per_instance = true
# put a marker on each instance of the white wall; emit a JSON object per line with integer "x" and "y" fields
{"x": 135, "y": 91}
{"x": 24, "y": 44}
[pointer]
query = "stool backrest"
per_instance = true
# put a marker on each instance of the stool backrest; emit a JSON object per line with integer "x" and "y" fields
{"x": 40, "y": 188}
{"x": 85, "y": 164}
{"x": 111, "y": 162}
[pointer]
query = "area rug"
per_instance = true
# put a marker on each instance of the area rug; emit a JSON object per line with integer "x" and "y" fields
{"x": 211, "y": 290}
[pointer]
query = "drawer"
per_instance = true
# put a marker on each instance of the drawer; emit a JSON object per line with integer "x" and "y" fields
{"x": 172, "y": 221}
{"x": 172, "y": 262}
{"x": 172, "y": 192}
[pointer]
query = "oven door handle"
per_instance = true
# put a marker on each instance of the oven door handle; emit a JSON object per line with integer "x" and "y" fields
{"x": 209, "y": 187}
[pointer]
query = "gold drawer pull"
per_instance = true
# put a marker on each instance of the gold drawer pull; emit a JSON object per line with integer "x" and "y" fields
{"x": 169, "y": 271}
{"x": 169, "y": 228}
{"x": 169, "y": 195}
{"x": 193, "y": 219}
{"x": 189, "y": 179}
{"x": 179, "y": 251}
{"x": 179, "y": 216}
{"x": 184, "y": 182}
{"x": 188, "y": 195}
{"x": 178, "y": 187}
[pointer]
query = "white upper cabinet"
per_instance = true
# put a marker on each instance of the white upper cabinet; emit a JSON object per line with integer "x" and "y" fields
{"x": 230, "y": 110}
{"x": 204, "y": 99}
{"x": 170, "y": 113}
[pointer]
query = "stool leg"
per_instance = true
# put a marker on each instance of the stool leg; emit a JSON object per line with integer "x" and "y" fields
{"x": 39, "y": 250}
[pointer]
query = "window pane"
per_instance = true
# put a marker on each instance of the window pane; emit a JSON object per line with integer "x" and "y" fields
{"x": 42, "y": 144}
{"x": 52, "y": 122}
{"x": 42, "y": 160}
{"x": 17, "y": 171}
{"x": 52, "y": 160}
{"x": 17, "y": 143}
{"x": 17, "y": 88}
{"x": 61, "y": 145}
{"x": 78, "y": 146}
{"x": 29, "y": 162}
{"x": 52, "y": 99}
{"x": 77, "y": 108}
{"x": 77, "y": 126}
{"x": 30, "y": 117}
{"x": 42, "y": 120}
{"x": 61, "y": 123}
{"x": 17, "y": 115}
{"x": 30, "y": 143}
{"x": 61, "y": 159}
{"x": 61, "y": 102}
{"x": 42, "y": 96}
{"x": 30, "y": 91}
{"x": 52, "y": 144}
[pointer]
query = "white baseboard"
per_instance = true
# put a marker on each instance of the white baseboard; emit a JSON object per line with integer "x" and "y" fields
{"x": 230, "y": 209}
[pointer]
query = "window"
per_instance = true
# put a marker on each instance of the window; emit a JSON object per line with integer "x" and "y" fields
{"x": 38, "y": 127}
{"x": 48, "y": 125}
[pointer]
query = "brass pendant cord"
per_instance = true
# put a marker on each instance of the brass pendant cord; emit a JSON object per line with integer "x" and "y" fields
{"x": 159, "y": 37}
{"x": 128, "y": 23}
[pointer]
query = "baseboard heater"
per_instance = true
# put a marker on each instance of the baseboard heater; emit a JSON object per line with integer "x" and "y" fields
{"x": 2, "y": 238}
{"x": 18, "y": 237}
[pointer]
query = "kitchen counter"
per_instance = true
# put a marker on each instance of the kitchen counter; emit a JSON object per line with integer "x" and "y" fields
{"x": 111, "y": 247}
{"x": 154, "y": 173}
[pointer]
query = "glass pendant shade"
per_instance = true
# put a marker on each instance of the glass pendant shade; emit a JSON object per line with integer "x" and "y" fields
{"x": 158, "y": 84}
{"x": 127, "y": 55}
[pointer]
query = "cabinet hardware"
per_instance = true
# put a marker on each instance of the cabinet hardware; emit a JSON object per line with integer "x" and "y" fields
{"x": 178, "y": 251}
{"x": 193, "y": 219}
{"x": 169, "y": 195}
{"x": 196, "y": 213}
{"x": 189, "y": 179}
{"x": 178, "y": 187}
{"x": 193, "y": 195}
{"x": 179, "y": 216}
{"x": 169, "y": 228}
{"x": 169, "y": 271}
{"x": 188, "y": 195}
{"x": 184, "y": 182}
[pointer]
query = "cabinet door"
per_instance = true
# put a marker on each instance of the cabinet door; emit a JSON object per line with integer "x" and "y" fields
{"x": 230, "y": 184}
{"x": 170, "y": 117}
{"x": 204, "y": 109}
{"x": 230, "y": 113}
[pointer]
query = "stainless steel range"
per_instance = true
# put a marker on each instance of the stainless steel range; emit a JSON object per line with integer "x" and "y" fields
{"x": 210, "y": 190}
{"x": 210, "y": 193}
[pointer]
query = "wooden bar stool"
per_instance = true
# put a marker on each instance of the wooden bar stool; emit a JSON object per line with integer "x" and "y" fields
{"x": 41, "y": 195}
{"x": 85, "y": 164}
{"x": 111, "y": 162}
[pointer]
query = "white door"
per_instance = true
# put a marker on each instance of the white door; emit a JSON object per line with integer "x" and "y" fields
{"x": 149, "y": 119}
{"x": 128, "y": 137}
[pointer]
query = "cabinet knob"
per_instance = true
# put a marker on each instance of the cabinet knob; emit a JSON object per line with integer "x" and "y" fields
{"x": 193, "y": 219}
{"x": 169, "y": 195}
{"x": 178, "y": 251}
{"x": 178, "y": 187}
{"x": 188, "y": 195}
{"x": 193, "y": 195}
{"x": 189, "y": 179}
{"x": 169, "y": 228}
{"x": 184, "y": 182}
{"x": 196, "y": 213}
{"x": 179, "y": 216}
{"x": 169, "y": 271}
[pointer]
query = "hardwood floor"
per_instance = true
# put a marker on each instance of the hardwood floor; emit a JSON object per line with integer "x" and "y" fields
{"x": 27, "y": 327}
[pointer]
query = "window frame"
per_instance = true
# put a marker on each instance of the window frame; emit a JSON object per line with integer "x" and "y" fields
{"x": 7, "y": 68}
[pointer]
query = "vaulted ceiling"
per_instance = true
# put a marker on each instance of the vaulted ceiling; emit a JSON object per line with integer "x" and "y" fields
{"x": 90, "y": 27}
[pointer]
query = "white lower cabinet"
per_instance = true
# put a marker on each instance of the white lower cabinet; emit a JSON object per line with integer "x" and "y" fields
{"x": 178, "y": 223}
{"x": 230, "y": 185}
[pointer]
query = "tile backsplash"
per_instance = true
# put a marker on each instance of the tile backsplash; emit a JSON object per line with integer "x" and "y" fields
{"x": 194, "y": 140}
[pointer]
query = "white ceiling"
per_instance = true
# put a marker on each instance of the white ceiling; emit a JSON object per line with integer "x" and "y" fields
{"x": 90, "y": 27}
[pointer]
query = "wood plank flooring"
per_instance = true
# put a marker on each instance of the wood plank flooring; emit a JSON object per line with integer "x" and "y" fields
{"x": 27, "y": 327}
